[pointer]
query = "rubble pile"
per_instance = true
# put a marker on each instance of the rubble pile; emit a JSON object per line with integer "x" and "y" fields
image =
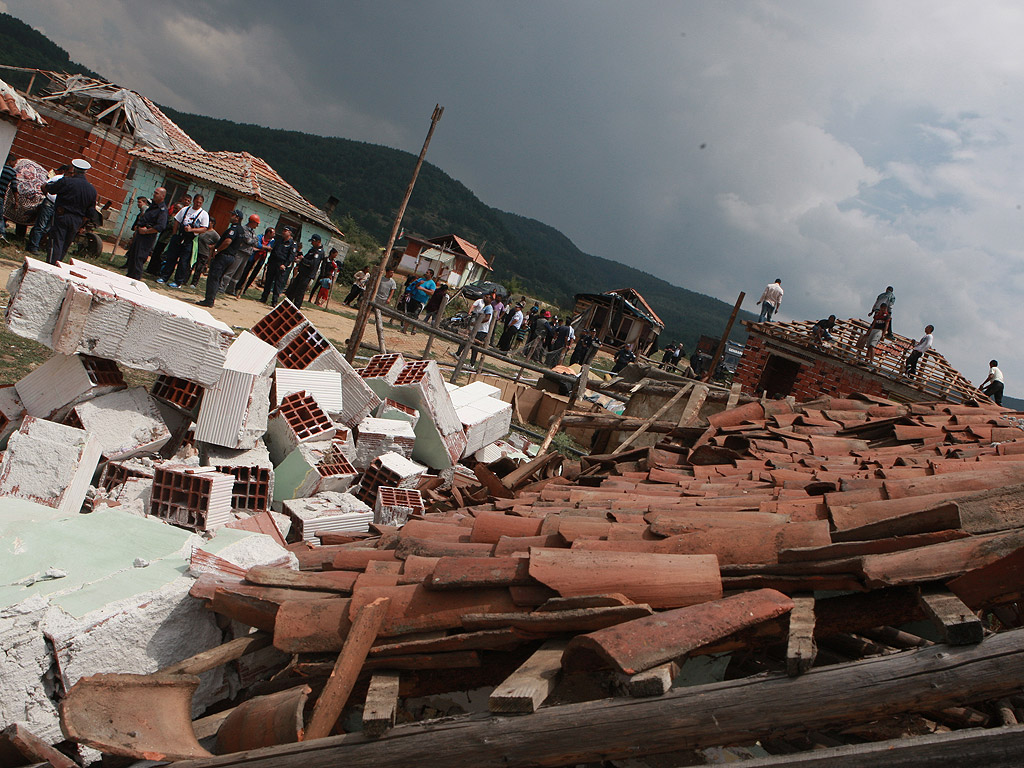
{"x": 787, "y": 538}
{"x": 116, "y": 498}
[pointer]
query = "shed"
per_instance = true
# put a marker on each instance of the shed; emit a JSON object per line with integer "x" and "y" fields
{"x": 621, "y": 317}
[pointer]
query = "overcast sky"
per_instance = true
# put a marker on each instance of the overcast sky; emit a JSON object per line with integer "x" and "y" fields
{"x": 839, "y": 145}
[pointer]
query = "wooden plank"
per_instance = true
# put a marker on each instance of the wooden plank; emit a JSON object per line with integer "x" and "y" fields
{"x": 360, "y": 637}
{"x": 736, "y": 712}
{"x": 331, "y": 581}
{"x": 956, "y": 622}
{"x": 734, "y": 396}
{"x": 527, "y": 688}
{"x": 381, "y": 704}
{"x": 650, "y": 682}
{"x": 653, "y": 418}
{"x": 801, "y": 650}
{"x": 222, "y": 654}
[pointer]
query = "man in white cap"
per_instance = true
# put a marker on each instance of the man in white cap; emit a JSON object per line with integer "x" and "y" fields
{"x": 76, "y": 197}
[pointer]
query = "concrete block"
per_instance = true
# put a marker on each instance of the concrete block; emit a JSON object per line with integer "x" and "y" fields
{"x": 324, "y": 386}
{"x": 125, "y": 423}
{"x": 198, "y": 498}
{"x": 279, "y": 326}
{"x": 298, "y": 419}
{"x": 312, "y": 468}
{"x": 253, "y": 472}
{"x": 181, "y": 394}
{"x": 50, "y": 464}
{"x": 395, "y": 505}
{"x": 390, "y": 409}
{"x": 52, "y": 389}
{"x": 381, "y": 371}
{"x": 472, "y": 392}
{"x": 12, "y": 411}
{"x": 377, "y": 436}
{"x": 484, "y": 421}
{"x": 328, "y": 513}
{"x": 390, "y": 470}
{"x": 233, "y": 412}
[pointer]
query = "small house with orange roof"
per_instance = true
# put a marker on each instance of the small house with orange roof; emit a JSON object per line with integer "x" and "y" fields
{"x": 621, "y": 316}
{"x": 455, "y": 260}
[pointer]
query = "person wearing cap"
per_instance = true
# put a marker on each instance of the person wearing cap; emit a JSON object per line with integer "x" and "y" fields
{"x": 147, "y": 228}
{"x": 233, "y": 277}
{"x": 75, "y": 198}
{"x": 305, "y": 271}
{"x": 513, "y": 322}
{"x": 180, "y": 255}
{"x": 222, "y": 255}
{"x": 535, "y": 347}
{"x": 280, "y": 260}
{"x": 156, "y": 261}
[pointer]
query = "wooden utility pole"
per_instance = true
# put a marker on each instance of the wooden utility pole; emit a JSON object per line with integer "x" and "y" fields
{"x": 725, "y": 337}
{"x": 371, "y": 293}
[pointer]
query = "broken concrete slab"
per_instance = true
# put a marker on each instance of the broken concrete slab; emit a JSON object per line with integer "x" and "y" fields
{"x": 389, "y": 409}
{"x": 51, "y": 390}
{"x": 125, "y": 423}
{"x": 377, "y": 436}
{"x": 312, "y": 468}
{"x": 328, "y": 513}
{"x": 440, "y": 440}
{"x": 233, "y": 412}
{"x": 12, "y": 411}
{"x": 125, "y": 321}
{"x": 51, "y": 464}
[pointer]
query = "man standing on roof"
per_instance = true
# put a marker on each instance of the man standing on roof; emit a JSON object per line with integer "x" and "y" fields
{"x": 306, "y": 270}
{"x": 888, "y": 298}
{"x": 993, "y": 385}
{"x": 76, "y": 197}
{"x": 222, "y": 255}
{"x": 770, "y": 301}
{"x": 147, "y": 228}
{"x": 921, "y": 346}
{"x": 280, "y": 260}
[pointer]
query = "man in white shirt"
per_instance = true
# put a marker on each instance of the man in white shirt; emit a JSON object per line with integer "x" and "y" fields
{"x": 921, "y": 346}
{"x": 770, "y": 301}
{"x": 515, "y": 322}
{"x": 482, "y": 306}
{"x": 993, "y": 385}
{"x": 190, "y": 222}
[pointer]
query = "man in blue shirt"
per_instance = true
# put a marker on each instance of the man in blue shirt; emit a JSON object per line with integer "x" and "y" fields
{"x": 76, "y": 198}
{"x": 417, "y": 293}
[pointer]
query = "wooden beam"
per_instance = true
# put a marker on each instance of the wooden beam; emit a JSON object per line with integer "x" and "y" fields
{"x": 361, "y": 636}
{"x": 652, "y": 682}
{"x": 222, "y": 654}
{"x": 697, "y": 398}
{"x": 801, "y": 651}
{"x": 381, "y": 704}
{"x": 734, "y": 396}
{"x": 527, "y": 688}
{"x": 975, "y": 748}
{"x": 725, "y": 337}
{"x": 719, "y": 714}
{"x": 956, "y": 622}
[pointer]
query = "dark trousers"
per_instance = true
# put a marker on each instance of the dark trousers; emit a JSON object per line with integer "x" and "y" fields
{"x": 481, "y": 337}
{"x": 42, "y": 225}
{"x": 995, "y": 391}
{"x": 355, "y": 293}
{"x": 297, "y": 290}
{"x": 62, "y": 233}
{"x": 274, "y": 282}
{"x": 912, "y": 363}
{"x": 507, "y": 336}
{"x": 217, "y": 269}
{"x": 138, "y": 252}
{"x": 251, "y": 271}
{"x": 156, "y": 260}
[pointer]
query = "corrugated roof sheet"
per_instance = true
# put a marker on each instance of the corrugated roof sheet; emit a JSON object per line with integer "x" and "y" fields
{"x": 240, "y": 172}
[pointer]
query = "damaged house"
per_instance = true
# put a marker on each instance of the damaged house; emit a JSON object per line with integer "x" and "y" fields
{"x": 620, "y": 317}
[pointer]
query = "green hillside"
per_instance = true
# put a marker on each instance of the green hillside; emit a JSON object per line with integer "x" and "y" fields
{"x": 369, "y": 181}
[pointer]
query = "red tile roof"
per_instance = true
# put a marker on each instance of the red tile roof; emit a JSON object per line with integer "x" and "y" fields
{"x": 13, "y": 104}
{"x": 242, "y": 173}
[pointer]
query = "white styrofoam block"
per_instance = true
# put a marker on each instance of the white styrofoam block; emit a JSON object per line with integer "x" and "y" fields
{"x": 324, "y": 386}
{"x": 484, "y": 421}
{"x": 125, "y": 423}
{"x": 472, "y": 392}
{"x": 50, "y": 464}
{"x": 233, "y": 413}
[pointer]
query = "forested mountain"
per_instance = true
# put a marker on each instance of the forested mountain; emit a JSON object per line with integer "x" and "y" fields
{"x": 369, "y": 181}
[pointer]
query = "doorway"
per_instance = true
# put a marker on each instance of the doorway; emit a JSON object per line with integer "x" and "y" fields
{"x": 778, "y": 377}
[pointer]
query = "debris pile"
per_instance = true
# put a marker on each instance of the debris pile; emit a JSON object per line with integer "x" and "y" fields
{"x": 786, "y": 538}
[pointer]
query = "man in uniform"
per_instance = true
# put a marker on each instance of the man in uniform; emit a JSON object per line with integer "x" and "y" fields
{"x": 222, "y": 256}
{"x": 150, "y": 224}
{"x": 76, "y": 198}
{"x": 281, "y": 258}
{"x": 230, "y": 283}
{"x": 305, "y": 271}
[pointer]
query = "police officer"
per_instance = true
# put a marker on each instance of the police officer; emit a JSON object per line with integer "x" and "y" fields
{"x": 304, "y": 272}
{"x": 222, "y": 255}
{"x": 281, "y": 258}
{"x": 76, "y": 198}
{"x": 148, "y": 227}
